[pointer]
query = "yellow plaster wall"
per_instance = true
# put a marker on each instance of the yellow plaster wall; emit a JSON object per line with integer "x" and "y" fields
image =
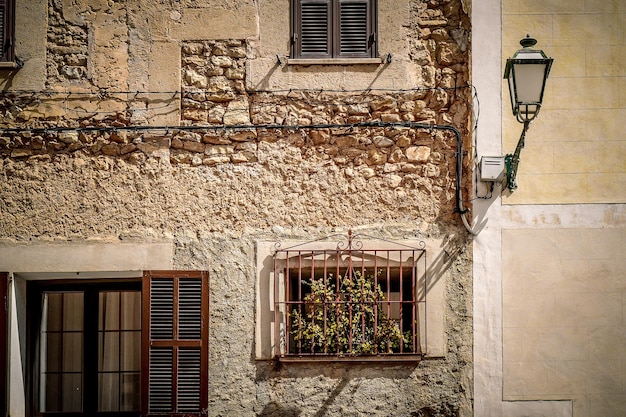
{"x": 576, "y": 150}
{"x": 564, "y": 317}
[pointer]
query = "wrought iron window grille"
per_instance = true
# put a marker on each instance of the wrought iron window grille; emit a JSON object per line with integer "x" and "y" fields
{"x": 359, "y": 298}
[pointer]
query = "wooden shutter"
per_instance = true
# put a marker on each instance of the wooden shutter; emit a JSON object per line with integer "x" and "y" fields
{"x": 7, "y": 15}
{"x": 4, "y": 342}
{"x": 313, "y": 27}
{"x": 334, "y": 28}
{"x": 175, "y": 342}
{"x": 354, "y": 28}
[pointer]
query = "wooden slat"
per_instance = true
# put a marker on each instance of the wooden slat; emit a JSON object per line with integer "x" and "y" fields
{"x": 188, "y": 380}
{"x": 353, "y": 27}
{"x": 160, "y": 381}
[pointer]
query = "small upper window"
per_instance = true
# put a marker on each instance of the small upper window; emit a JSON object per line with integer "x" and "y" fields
{"x": 7, "y": 17}
{"x": 333, "y": 29}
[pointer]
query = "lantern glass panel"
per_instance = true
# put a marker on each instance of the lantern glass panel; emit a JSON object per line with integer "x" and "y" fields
{"x": 529, "y": 82}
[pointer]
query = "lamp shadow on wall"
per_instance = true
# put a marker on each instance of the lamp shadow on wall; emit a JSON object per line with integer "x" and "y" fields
{"x": 274, "y": 409}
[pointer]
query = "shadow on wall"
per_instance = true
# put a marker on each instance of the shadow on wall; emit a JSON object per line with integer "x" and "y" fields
{"x": 276, "y": 410}
{"x": 450, "y": 250}
{"x": 6, "y": 79}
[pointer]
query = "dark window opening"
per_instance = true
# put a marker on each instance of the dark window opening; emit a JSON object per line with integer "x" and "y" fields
{"x": 86, "y": 340}
{"x": 362, "y": 311}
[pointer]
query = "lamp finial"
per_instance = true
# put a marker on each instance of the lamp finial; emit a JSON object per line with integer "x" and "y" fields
{"x": 527, "y": 42}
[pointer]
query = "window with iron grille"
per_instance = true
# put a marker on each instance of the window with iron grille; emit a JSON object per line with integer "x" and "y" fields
{"x": 7, "y": 17}
{"x": 333, "y": 29}
{"x": 353, "y": 301}
{"x": 119, "y": 347}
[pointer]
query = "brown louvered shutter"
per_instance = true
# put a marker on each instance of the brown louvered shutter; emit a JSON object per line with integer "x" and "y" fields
{"x": 334, "y": 28}
{"x": 354, "y": 28}
{"x": 175, "y": 342}
{"x": 313, "y": 28}
{"x": 4, "y": 325}
{"x": 6, "y": 29}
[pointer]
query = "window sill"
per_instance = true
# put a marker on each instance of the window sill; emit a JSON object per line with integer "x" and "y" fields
{"x": 406, "y": 358}
{"x": 334, "y": 61}
{"x": 9, "y": 65}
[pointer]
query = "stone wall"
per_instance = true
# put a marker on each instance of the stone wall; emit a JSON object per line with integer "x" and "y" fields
{"x": 67, "y": 46}
{"x": 243, "y": 164}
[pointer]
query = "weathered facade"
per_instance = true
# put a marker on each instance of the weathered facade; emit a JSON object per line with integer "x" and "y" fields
{"x": 144, "y": 135}
{"x": 549, "y": 261}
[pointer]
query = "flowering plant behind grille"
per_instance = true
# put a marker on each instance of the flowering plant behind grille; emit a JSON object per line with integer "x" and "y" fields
{"x": 348, "y": 320}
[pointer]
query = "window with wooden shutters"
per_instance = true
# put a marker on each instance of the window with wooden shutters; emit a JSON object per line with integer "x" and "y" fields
{"x": 7, "y": 16}
{"x": 334, "y": 28}
{"x": 175, "y": 343}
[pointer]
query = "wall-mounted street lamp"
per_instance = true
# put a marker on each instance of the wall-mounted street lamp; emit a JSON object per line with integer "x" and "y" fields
{"x": 526, "y": 73}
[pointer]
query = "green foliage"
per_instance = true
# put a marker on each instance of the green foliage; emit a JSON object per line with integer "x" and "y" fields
{"x": 350, "y": 321}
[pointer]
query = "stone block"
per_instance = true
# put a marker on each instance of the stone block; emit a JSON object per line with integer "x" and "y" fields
{"x": 539, "y": 157}
{"x": 193, "y": 146}
{"x": 529, "y": 244}
{"x": 601, "y": 93}
{"x": 21, "y": 153}
{"x": 606, "y": 188}
{"x": 530, "y": 310}
{"x": 418, "y": 153}
{"x": 599, "y": 124}
{"x": 584, "y": 377}
{"x": 68, "y": 137}
{"x": 551, "y": 7}
{"x": 586, "y": 29}
{"x": 110, "y": 149}
{"x": 235, "y": 24}
{"x": 539, "y": 26}
{"x": 553, "y": 125}
{"x": 390, "y": 117}
{"x": 550, "y": 189}
{"x": 216, "y": 159}
{"x": 236, "y": 116}
{"x": 194, "y": 79}
{"x": 244, "y": 137}
{"x": 605, "y": 61}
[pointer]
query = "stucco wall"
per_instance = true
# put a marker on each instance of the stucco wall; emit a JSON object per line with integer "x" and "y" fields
{"x": 548, "y": 261}
{"x": 564, "y": 323}
{"x": 575, "y": 150}
{"x": 207, "y": 197}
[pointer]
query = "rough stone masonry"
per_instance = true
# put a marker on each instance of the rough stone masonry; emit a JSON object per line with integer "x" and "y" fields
{"x": 214, "y": 192}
